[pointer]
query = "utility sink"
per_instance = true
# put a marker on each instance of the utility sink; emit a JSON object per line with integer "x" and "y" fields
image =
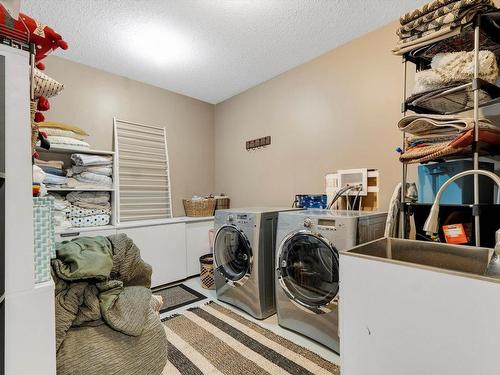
{"x": 478, "y": 261}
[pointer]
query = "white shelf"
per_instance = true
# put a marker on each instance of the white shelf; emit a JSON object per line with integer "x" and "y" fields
{"x": 84, "y": 229}
{"x": 74, "y": 151}
{"x": 80, "y": 189}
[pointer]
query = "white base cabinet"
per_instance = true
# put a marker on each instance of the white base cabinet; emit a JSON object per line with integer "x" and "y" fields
{"x": 164, "y": 248}
{"x": 172, "y": 248}
{"x": 30, "y": 346}
{"x": 397, "y": 319}
{"x": 197, "y": 244}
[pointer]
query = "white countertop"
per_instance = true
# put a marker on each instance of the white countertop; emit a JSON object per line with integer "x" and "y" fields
{"x": 174, "y": 220}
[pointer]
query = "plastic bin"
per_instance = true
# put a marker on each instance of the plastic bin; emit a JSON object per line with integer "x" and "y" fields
{"x": 432, "y": 176}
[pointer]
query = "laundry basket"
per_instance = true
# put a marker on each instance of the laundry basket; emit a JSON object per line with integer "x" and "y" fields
{"x": 207, "y": 271}
{"x": 199, "y": 207}
{"x": 222, "y": 202}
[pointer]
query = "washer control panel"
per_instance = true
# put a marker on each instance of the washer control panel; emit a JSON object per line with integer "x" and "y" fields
{"x": 240, "y": 219}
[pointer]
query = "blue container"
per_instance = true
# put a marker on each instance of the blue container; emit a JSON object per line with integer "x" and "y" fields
{"x": 432, "y": 176}
{"x": 311, "y": 201}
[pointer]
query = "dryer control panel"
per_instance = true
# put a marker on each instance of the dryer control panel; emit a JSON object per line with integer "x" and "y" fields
{"x": 240, "y": 219}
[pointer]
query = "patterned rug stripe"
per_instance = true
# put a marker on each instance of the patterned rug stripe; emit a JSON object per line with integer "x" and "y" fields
{"x": 181, "y": 362}
{"x": 170, "y": 370}
{"x": 300, "y": 360}
{"x": 196, "y": 358}
{"x": 258, "y": 358}
{"x": 221, "y": 355}
{"x": 320, "y": 361}
{"x": 252, "y": 344}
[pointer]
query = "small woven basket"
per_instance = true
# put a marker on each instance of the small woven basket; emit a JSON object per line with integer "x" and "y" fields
{"x": 222, "y": 203}
{"x": 199, "y": 208}
{"x": 207, "y": 271}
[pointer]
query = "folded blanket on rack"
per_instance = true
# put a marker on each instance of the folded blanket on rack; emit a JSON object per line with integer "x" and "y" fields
{"x": 101, "y": 170}
{"x": 63, "y": 133}
{"x": 454, "y": 69}
{"x": 95, "y": 179}
{"x": 90, "y": 197}
{"x": 52, "y": 179}
{"x": 441, "y": 100}
{"x": 91, "y": 160}
{"x": 89, "y": 221}
{"x": 461, "y": 144}
{"x": 433, "y": 37}
{"x": 50, "y": 163}
{"x": 453, "y": 13}
{"x": 437, "y": 20}
{"x": 58, "y": 141}
{"x": 423, "y": 124}
{"x": 423, "y": 10}
{"x": 62, "y": 126}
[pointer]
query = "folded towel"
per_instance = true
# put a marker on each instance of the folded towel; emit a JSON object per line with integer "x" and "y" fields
{"x": 50, "y": 163}
{"x": 94, "y": 197}
{"x": 102, "y": 170}
{"x": 456, "y": 68}
{"x": 54, "y": 171}
{"x": 92, "y": 178}
{"x": 51, "y": 179}
{"x": 91, "y": 160}
{"x": 90, "y": 221}
{"x": 73, "y": 211}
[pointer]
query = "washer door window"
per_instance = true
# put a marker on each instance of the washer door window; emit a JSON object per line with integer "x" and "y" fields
{"x": 309, "y": 270}
{"x": 233, "y": 254}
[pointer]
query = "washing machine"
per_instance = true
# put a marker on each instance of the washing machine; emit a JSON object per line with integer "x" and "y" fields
{"x": 307, "y": 267}
{"x": 244, "y": 250}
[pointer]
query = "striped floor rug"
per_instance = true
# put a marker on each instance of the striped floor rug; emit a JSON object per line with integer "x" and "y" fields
{"x": 214, "y": 340}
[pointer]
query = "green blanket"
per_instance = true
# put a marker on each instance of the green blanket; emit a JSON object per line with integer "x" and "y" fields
{"x": 84, "y": 258}
{"x": 101, "y": 280}
{"x": 104, "y": 282}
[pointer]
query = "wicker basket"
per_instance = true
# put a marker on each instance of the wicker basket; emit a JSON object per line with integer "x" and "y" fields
{"x": 207, "y": 271}
{"x": 199, "y": 208}
{"x": 222, "y": 202}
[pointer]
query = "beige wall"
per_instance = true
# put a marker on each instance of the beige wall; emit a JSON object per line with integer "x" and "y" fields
{"x": 338, "y": 111}
{"x": 92, "y": 97}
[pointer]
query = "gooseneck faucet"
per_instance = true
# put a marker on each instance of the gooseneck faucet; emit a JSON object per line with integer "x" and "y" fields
{"x": 431, "y": 225}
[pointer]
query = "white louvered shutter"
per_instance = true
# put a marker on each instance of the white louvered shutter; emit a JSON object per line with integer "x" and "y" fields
{"x": 143, "y": 172}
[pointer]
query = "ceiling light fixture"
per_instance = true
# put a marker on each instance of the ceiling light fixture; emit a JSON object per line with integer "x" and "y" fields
{"x": 158, "y": 44}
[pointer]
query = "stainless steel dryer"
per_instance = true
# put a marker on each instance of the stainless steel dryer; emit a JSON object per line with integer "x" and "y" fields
{"x": 307, "y": 267}
{"x": 244, "y": 249}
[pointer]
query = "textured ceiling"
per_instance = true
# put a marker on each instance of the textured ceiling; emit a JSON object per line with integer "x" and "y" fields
{"x": 208, "y": 49}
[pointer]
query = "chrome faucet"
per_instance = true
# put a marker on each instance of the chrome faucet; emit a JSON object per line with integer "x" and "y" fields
{"x": 431, "y": 225}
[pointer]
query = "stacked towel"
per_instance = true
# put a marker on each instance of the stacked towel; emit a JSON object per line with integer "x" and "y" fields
{"x": 54, "y": 173}
{"x": 91, "y": 171}
{"x": 435, "y": 136}
{"x": 82, "y": 209}
{"x": 435, "y": 21}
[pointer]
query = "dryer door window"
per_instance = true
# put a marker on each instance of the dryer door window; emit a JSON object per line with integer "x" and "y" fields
{"x": 233, "y": 254}
{"x": 309, "y": 270}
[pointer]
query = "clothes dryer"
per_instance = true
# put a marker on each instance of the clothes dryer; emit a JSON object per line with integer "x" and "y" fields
{"x": 244, "y": 250}
{"x": 307, "y": 267}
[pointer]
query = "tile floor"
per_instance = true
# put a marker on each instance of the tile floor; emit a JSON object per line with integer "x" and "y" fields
{"x": 270, "y": 323}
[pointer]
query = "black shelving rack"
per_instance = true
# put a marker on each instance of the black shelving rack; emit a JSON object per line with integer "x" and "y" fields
{"x": 483, "y": 33}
